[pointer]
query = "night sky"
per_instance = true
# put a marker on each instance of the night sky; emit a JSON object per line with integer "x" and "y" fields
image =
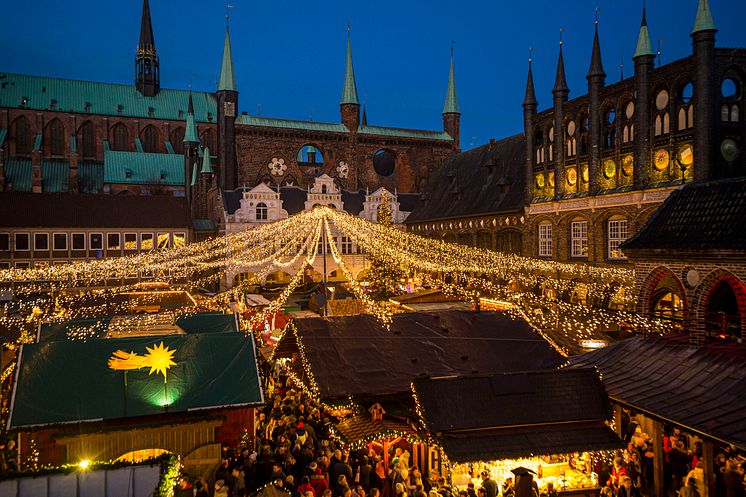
{"x": 289, "y": 56}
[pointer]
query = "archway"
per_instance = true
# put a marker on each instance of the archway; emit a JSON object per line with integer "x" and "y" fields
{"x": 136, "y": 456}
{"x": 659, "y": 282}
{"x": 721, "y": 305}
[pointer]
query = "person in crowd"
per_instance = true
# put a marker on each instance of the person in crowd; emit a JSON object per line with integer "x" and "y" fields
{"x": 690, "y": 489}
{"x": 732, "y": 480}
{"x": 627, "y": 489}
{"x": 305, "y": 486}
{"x": 489, "y": 485}
{"x": 508, "y": 489}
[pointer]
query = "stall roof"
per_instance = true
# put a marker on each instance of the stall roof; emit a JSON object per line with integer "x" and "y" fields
{"x": 362, "y": 428}
{"x": 516, "y": 414}
{"x": 356, "y": 355}
{"x": 702, "y": 389}
{"x": 71, "y": 381}
{"x": 99, "y": 327}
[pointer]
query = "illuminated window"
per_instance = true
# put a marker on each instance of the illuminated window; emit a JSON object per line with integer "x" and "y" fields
{"x": 669, "y": 305}
{"x": 164, "y": 240}
{"x": 59, "y": 241}
{"x": 179, "y": 240}
{"x": 41, "y": 241}
{"x": 545, "y": 239}
{"x": 146, "y": 241}
{"x": 130, "y": 241}
{"x": 617, "y": 234}
{"x": 579, "y": 238}
{"x": 113, "y": 241}
{"x": 96, "y": 241}
{"x": 262, "y": 213}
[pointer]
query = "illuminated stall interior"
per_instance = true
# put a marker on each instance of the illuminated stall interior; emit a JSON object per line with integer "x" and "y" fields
{"x": 551, "y": 422}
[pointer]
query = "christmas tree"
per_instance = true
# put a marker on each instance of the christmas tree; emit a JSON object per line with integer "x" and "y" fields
{"x": 385, "y": 274}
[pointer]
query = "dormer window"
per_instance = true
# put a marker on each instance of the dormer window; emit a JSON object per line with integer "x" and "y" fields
{"x": 209, "y": 116}
{"x": 87, "y": 106}
{"x": 151, "y": 112}
{"x": 128, "y": 173}
{"x": 120, "y": 109}
{"x": 53, "y": 104}
{"x": 24, "y": 101}
{"x": 163, "y": 175}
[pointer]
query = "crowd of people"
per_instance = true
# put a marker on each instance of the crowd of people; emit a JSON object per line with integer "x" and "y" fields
{"x": 298, "y": 456}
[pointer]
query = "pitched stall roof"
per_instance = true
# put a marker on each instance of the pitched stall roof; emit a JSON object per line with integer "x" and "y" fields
{"x": 483, "y": 180}
{"x": 517, "y": 414}
{"x": 108, "y": 99}
{"x": 353, "y": 355}
{"x": 216, "y": 370}
{"x": 697, "y": 217}
{"x": 702, "y": 389}
{"x": 77, "y": 210}
{"x": 361, "y": 428}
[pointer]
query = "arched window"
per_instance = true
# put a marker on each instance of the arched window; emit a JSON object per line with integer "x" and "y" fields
{"x": 56, "y": 137}
{"x": 662, "y": 120}
{"x": 723, "y": 318}
{"x": 539, "y": 147}
{"x": 571, "y": 141}
{"x": 177, "y": 140}
{"x": 508, "y": 241}
{"x": 616, "y": 233}
{"x": 323, "y": 189}
{"x": 609, "y": 127}
{"x": 484, "y": 239}
{"x": 308, "y": 155}
{"x": 150, "y": 139}
{"x": 208, "y": 139}
{"x": 545, "y": 239}
{"x": 120, "y": 139}
{"x": 87, "y": 137}
{"x": 668, "y": 305}
{"x": 22, "y": 134}
{"x": 262, "y": 213}
{"x": 734, "y": 113}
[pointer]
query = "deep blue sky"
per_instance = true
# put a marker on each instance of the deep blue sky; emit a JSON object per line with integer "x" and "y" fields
{"x": 289, "y": 55}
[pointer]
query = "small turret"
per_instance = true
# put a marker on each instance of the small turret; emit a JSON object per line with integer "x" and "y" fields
{"x": 349, "y": 106}
{"x": 147, "y": 66}
{"x": 451, "y": 111}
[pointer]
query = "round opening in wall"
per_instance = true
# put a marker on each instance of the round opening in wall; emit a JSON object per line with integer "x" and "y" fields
{"x": 384, "y": 162}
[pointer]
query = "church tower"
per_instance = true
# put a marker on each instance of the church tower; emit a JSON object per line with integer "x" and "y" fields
{"x": 191, "y": 145}
{"x": 147, "y": 67}
{"x": 227, "y": 107}
{"x": 349, "y": 106}
{"x": 451, "y": 112}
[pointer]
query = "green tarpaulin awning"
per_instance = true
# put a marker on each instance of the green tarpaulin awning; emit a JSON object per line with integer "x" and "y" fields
{"x": 71, "y": 381}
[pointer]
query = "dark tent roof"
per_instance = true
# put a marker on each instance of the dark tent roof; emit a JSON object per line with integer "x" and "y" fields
{"x": 516, "y": 414}
{"x": 483, "y": 180}
{"x": 355, "y": 355}
{"x": 70, "y": 380}
{"x": 698, "y": 216}
{"x": 702, "y": 389}
{"x": 97, "y": 327}
{"x": 487, "y": 401}
{"x": 361, "y": 428}
{"x": 79, "y": 210}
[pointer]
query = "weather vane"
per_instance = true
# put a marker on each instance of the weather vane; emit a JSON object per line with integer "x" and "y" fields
{"x": 598, "y": 9}
{"x": 227, "y": 16}
{"x": 530, "y": 54}
{"x": 562, "y": 30}
{"x": 452, "y": 43}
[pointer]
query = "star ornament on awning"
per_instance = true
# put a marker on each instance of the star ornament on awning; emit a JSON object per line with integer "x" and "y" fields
{"x": 158, "y": 358}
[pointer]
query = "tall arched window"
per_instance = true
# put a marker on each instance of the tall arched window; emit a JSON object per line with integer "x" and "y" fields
{"x": 87, "y": 137}
{"x": 617, "y": 232}
{"x": 208, "y": 140}
{"x": 177, "y": 140}
{"x": 22, "y": 134}
{"x": 545, "y": 239}
{"x": 662, "y": 120}
{"x": 120, "y": 138}
{"x": 262, "y": 213}
{"x": 149, "y": 138}
{"x": 56, "y": 137}
{"x": 579, "y": 237}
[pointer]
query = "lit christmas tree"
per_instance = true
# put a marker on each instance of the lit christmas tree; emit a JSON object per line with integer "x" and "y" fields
{"x": 384, "y": 273}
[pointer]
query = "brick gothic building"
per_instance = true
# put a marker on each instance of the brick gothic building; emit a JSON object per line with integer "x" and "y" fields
{"x": 588, "y": 172}
{"x": 72, "y": 137}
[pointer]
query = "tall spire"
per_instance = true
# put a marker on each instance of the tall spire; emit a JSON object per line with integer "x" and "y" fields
{"x": 597, "y": 67}
{"x": 147, "y": 41}
{"x": 644, "y": 47}
{"x": 227, "y": 76}
{"x": 451, "y": 104}
{"x": 560, "y": 82}
{"x": 349, "y": 92}
{"x": 190, "y": 134}
{"x": 530, "y": 98}
{"x": 703, "y": 21}
{"x": 147, "y": 66}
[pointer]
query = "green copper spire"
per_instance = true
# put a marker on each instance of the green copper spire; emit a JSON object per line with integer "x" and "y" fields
{"x": 644, "y": 47}
{"x": 349, "y": 92}
{"x": 227, "y": 77}
{"x": 451, "y": 105}
{"x": 703, "y": 21}
{"x": 190, "y": 134}
{"x": 194, "y": 174}
{"x": 206, "y": 167}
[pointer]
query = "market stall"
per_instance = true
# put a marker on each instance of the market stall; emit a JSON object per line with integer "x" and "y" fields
{"x": 553, "y": 423}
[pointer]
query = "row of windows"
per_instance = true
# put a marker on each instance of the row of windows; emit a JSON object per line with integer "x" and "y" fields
{"x": 54, "y": 138}
{"x": 22, "y": 242}
{"x": 617, "y": 231}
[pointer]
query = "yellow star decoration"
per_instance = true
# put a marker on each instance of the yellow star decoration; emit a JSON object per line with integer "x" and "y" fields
{"x": 159, "y": 359}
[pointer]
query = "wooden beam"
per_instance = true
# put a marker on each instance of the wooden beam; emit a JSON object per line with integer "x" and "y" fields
{"x": 658, "y": 460}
